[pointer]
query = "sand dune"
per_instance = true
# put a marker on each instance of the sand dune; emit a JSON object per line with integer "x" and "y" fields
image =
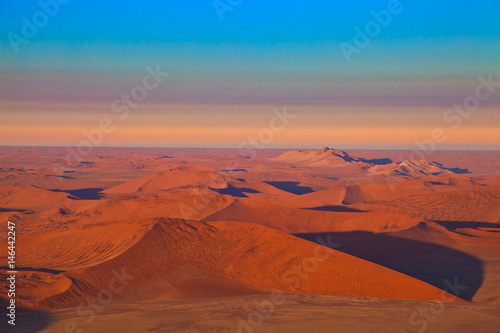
{"x": 169, "y": 179}
{"x": 196, "y": 177}
{"x": 226, "y": 250}
{"x": 293, "y": 220}
{"x": 187, "y": 202}
{"x": 472, "y": 206}
{"x": 29, "y": 198}
{"x": 77, "y": 245}
{"x": 35, "y": 285}
{"x": 332, "y": 198}
{"x": 183, "y": 225}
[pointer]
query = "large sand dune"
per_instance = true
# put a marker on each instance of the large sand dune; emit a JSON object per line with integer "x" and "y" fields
{"x": 295, "y": 220}
{"x": 244, "y": 253}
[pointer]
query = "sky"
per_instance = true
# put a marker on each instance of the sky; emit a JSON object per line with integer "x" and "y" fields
{"x": 354, "y": 74}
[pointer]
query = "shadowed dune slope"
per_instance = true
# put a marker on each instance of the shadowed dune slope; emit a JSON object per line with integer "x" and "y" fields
{"x": 426, "y": 251}
{"x": 248, "y": 254}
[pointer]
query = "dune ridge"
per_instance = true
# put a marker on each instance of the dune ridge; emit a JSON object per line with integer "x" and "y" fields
{"x": 253, "y": 256}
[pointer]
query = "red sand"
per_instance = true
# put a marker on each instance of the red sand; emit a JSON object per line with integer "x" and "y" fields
{"x": 189, "y": 226}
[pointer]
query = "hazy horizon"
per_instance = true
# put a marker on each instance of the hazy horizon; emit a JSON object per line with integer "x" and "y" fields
{"x": 228, "y": 70}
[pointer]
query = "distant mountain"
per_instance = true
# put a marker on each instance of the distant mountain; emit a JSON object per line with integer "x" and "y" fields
{"x": 421, "y": 168}
{"x": 325, "y": 157}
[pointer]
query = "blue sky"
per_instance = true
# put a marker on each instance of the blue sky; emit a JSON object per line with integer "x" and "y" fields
{"x": 449, "y": 37}
{"x": 256, "y": 21}
{"x": 262, "y": 53}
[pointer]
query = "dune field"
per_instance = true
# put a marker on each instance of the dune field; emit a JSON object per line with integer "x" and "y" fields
{"x": 212, "y": 240}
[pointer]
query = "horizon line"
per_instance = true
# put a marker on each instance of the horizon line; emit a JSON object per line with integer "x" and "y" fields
{"x": 266, "y": 148}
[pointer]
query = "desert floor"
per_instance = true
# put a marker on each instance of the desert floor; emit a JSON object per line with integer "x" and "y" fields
{"x": 222, "y": 240}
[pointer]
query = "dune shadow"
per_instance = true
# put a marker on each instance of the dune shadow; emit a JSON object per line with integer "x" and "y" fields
{"x": 453, "y": 225}
{"x": 438, "y": 183}
{"x": 459, "y": 171}
{"x": 62, "y": 176}
{"x": 335, "y": 208}
{"x": 453, "y": 271}
{"x": 454, "y": 170}
{"x": 7, "y": 210}
{"x": 377, "y": 161}
{"x": 93, "y": 193}
{"x": 22, "y": 269}
{"x": 26, "y": 320}
{"x": 236, "y": 191}
{"x": 292, "y": 187}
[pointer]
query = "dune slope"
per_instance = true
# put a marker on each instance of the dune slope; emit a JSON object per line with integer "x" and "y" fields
{"x": 251, "y": 255}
